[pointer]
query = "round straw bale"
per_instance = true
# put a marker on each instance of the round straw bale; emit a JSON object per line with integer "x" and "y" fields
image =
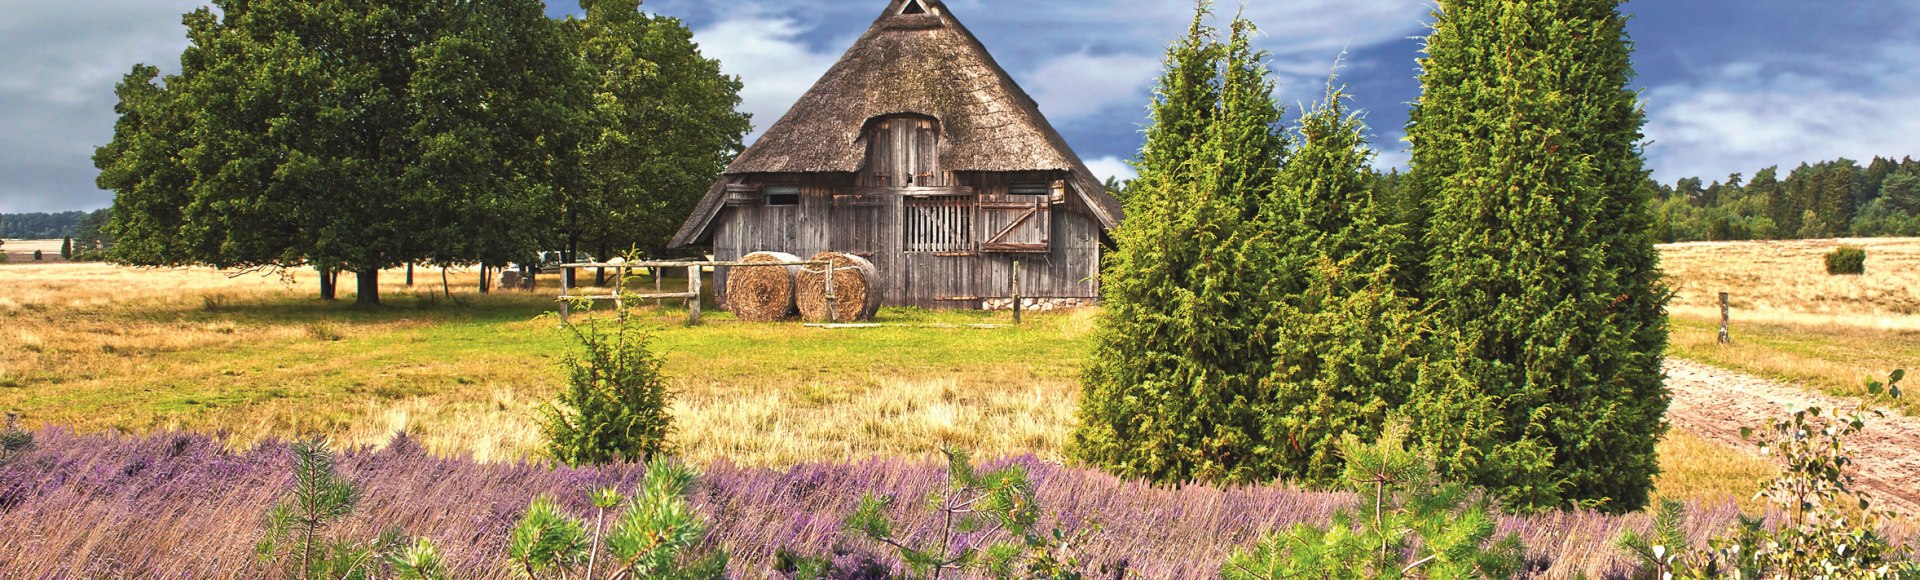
{"x": 856, "y": 288}
{"x": 762, "y": 293}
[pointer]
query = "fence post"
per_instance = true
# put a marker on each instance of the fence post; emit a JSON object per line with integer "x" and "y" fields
{"x": 693, "y": 288}
{"x": 566, "y": 304}
{"x": 1016, "y": 291}
{"x": 657, "y": 302}
{"x": 831, "y": 318}
{"x": 1725, "y": 338}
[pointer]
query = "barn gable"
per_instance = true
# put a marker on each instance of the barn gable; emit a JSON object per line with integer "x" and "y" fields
{"x": 916, "y": 60}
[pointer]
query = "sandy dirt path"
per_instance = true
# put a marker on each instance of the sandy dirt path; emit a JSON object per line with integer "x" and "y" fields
{"x": 1715, "y": 403}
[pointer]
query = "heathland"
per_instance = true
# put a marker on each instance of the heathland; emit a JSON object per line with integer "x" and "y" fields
{"x": 255, "y": 358}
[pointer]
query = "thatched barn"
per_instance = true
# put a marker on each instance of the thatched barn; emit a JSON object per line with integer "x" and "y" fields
{"x": 919, "y": 153}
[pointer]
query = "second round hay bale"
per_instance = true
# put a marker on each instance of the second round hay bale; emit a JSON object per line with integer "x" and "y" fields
{"x": 762, "y": 293}
{"x": 856, "y": 288}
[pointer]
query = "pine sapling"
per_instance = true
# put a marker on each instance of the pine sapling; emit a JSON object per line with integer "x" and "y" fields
{"x": 998, "y": 508}
{"x": 297, "y": 526}
{"x": 1408, "y": 524}
{"x": 657, "y": 534}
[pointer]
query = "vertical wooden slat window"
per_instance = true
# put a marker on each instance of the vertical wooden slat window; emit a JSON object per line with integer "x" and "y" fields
{"x": 938, "y": 224}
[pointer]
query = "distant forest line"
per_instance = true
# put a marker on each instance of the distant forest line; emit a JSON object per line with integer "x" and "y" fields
{"x": 1829, "y": 199}
{"x": 46, "y": 226}
{"x": 1879, "y": 199}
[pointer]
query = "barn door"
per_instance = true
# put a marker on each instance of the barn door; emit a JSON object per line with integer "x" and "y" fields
{"x": 902, "y": 151}
{"x": 1018, "y": 223}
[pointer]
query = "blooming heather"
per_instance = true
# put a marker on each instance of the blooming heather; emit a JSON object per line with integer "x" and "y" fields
{"x": 184, "y": 505}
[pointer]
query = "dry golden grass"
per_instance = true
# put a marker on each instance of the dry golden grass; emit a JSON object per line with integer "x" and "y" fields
{"x": 1786, "y": 282}
{"x": 22, "y": 250}
{"x": 1698, "y": 469}
{"x": 99, "y": 347}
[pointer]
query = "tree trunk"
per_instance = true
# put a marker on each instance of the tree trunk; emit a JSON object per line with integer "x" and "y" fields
{"x": 327, "y": 290}
{"x": 600, "y": 274}
{"x": 369, "y": 291}
{"x": 409, "y": 274}
{"x": 485, "y": 279}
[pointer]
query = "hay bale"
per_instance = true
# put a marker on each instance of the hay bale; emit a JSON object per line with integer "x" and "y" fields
{"x": 856, "y": 288}
{"x": 762, "y": 293}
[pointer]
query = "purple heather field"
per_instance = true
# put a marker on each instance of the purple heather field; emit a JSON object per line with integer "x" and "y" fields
{"x": 177, "y": 505}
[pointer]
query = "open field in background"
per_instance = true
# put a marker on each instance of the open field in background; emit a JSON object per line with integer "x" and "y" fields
{"x": 1790, "y": 320}
{"x": 22, "y": 250}
{"x": 1786, "y": 282}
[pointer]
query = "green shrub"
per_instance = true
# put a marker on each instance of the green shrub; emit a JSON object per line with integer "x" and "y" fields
{"x": 37, "y": 256}
{"x": 1830, "y": 529}
{"x": 999, "y": 504}
{"x": 66, "y": 248}
{"x": 615, "y": 405}
{"x": 1847, "y": 260}
{"x": 1408, "y": 524}
{"x": 654, "y": 535}
{"x": 14, "y": 441}
{"x": 296, "y": 527}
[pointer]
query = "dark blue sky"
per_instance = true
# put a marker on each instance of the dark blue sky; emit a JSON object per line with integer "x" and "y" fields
{"x": 1729, "y": 86}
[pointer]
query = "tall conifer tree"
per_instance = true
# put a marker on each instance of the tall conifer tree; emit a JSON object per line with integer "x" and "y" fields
{"x": 1542, "y": 274}
{"x": 1169, "y": 393}
{"x": 1347, "y": 346}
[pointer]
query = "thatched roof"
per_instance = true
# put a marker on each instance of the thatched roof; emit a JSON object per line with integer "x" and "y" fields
{"x": 926, "y": 63}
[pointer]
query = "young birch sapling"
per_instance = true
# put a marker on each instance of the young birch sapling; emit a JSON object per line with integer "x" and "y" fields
{"x": 1831, "y": 528}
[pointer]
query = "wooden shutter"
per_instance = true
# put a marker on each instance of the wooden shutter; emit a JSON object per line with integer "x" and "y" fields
{"x": 1016, "y": 224}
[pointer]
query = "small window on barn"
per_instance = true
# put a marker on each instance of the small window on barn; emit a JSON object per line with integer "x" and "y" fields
{"x": 938, "y": 224}
{"x": 1030, "y": 188}
{"x": 783, "y": 195}
{"x": 913, "y": 7}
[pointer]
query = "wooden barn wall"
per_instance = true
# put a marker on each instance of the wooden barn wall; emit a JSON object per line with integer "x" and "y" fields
{"x": 834, "y": 215}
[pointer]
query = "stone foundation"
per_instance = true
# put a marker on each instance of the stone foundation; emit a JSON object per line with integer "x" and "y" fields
{"x": 1036, "y": 304}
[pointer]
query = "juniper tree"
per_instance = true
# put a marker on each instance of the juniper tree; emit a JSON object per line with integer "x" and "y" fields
{"x": 1169, "y": 393}
{"x": 1542, "y": 274}
{"x": 1347, "y": 346}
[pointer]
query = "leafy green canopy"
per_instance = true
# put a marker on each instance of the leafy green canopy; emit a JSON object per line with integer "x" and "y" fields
{"x": 1542, "y": 276}
{"x": 663, "y": 123}
{"x": 351, "y": 135}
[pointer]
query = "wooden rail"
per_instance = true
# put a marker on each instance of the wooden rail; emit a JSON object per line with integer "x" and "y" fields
{"x": 692, "y": 295}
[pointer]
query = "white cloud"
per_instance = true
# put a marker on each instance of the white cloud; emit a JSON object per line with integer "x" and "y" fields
{"x": 1106, "y": 167}
{"x": 1750, "y": 115}
{"x": 773, "y": 64}
{"x": 1081, "y": 84}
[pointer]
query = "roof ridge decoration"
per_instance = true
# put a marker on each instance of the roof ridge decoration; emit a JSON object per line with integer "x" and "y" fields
{"x": 927, "y": 64}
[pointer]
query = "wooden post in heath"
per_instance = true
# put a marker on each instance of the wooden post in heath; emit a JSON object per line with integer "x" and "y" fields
{"x": 657, "y": 302}
{"x": 1724, "y": 338}
{"x": 1016, "y": 291}
{"x": 693, "y": 289}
